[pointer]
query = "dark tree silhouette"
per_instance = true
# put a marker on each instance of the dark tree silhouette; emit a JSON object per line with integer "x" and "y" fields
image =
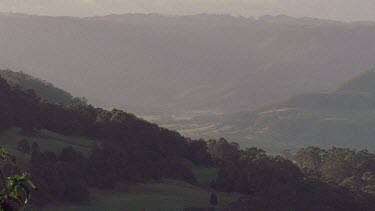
{"x": 213, "y": 199}
{"x": 24, "y": 146}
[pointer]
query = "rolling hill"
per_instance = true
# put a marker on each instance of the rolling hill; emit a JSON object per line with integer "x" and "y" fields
{"x": 211, "y": 63}
{"x": 343, "y": 118}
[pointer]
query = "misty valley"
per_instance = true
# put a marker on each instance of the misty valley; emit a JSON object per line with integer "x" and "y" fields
{"x": 188, "y": 112}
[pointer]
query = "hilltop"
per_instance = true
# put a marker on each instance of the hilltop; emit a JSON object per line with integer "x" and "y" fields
{"x": 43, "y": 89}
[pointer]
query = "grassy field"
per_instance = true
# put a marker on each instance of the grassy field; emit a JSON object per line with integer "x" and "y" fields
{"x": 47, "y": 141}
{"x": 166, "y": 196}
{"x": 205, "y": 175}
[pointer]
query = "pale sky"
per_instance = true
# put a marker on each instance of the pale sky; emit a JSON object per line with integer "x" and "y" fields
{"x": 346, "y": 10}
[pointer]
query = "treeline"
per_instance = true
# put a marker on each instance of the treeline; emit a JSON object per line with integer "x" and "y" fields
{"x": 44, "y": 89}
{"x": 310, "y": 179}
{"x": 349, "y": 168}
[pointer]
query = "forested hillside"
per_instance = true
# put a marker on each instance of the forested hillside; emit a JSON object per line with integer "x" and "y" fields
{"x": 80, "y": 154}
{"x": 43, "y": 89}
{"x": 121, "y": 138}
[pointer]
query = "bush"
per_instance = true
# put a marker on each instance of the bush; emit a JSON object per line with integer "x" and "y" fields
{"x": 24, "y": 146}
{"x": 213, "y": 199}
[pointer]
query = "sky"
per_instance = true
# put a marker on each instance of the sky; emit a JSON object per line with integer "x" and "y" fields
{"x": 344, "y": 10}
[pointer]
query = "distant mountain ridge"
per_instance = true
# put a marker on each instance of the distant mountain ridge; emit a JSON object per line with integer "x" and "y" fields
{"x": 203, "y": 62}
{"x": 221, "y": 19}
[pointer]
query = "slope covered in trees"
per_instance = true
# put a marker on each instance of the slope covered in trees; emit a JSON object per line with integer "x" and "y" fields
{"x": 128, "y": 149}
{"x": 310, "y": 179}
{"x": 43, "y": 89}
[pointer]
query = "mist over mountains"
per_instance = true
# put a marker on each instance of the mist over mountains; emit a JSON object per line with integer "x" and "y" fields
{"x": 174, "y": 63}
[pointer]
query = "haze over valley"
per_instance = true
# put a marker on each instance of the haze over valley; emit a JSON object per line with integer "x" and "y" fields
{"x": 213, "y": 63}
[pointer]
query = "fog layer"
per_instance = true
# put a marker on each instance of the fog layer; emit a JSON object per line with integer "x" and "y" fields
{"x": 348, "y": 10}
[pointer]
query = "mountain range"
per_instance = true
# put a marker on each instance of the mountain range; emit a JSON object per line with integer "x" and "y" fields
{"x": 212, "y": 63}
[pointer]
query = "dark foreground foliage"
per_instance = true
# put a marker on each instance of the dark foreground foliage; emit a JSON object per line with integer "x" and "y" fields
{"x": 15, "y": 186}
